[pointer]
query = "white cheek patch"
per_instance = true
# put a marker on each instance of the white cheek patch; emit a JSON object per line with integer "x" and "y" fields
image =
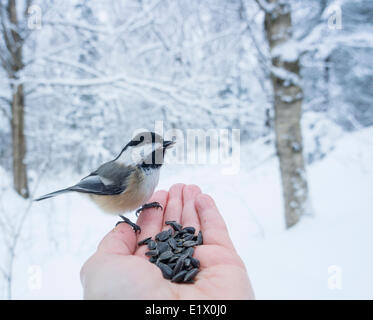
{"x": 137, "y": 154}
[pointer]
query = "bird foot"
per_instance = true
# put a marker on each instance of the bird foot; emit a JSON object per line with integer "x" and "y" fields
{"x": 148, "y": 206}
{"x": 134, "y": 226}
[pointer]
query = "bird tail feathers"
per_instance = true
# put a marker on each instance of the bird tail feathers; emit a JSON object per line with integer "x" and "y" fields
{"x": 52, "y": 194}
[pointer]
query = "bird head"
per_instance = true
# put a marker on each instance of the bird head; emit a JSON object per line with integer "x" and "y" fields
{"x": 146, "y": 149}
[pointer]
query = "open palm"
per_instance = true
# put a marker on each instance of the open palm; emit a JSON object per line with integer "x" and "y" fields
{"x": 120, "y": 270}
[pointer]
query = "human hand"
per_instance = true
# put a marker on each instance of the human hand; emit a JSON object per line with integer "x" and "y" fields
{"x": 119, "y": 269}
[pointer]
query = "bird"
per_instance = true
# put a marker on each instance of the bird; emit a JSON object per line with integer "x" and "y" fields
{"x": 126, "y": 182}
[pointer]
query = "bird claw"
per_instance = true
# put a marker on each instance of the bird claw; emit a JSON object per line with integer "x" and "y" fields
{"x": 148, "y": 206}
{"x": 134, "y": 226}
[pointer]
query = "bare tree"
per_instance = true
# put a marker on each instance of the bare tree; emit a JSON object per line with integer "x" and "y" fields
{"x": 287, "y": 100}
{"x": 12, "y": 225}
{"x": 12, "y": 62}
{"x": 11, "y": 231}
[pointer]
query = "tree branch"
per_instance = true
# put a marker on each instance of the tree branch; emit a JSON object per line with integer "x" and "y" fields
{"x": 4, "y": 110}
{"x": 265, "y": 6}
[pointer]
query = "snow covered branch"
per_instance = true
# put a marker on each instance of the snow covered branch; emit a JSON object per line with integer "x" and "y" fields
{"x": 265, "y": 6}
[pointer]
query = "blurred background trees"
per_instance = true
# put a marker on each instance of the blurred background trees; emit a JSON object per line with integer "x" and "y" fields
{"x": 75, "y": 84}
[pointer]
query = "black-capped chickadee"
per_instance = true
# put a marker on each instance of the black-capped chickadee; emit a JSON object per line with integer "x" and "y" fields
{"x": 127, "y": 182}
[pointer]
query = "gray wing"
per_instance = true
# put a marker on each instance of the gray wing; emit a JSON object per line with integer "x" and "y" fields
{"x": 110, "y": 178}
{"x": 90, "y": 184}
{"x": 94, "y": 184}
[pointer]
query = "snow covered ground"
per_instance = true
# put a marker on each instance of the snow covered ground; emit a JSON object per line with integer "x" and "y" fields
{"x": 60, "y": 234}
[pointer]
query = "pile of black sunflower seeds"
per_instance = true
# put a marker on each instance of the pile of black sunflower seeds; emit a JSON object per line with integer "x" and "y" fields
{"x": 172, "y": 251}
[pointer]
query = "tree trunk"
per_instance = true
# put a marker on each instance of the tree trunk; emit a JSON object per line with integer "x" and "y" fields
{"x": 15, "y": 45}
{"x": 19, "y": 142}
{"x": 288, "y": 110}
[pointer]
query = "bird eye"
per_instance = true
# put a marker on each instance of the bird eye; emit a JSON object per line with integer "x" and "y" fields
{"x": 142, "y": 138}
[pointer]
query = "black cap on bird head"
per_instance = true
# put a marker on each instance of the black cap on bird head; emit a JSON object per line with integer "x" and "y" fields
{"x": 152, "y": 148}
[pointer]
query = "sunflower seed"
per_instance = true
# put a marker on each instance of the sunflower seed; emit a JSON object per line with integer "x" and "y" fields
{"x": 144, "y": 241}
{"x": 152, "y": 245}
{"x": 174, "y": 225}
{"x": 179, "y": 277}
{"x": 172, "y": 243}
{"x": 173, "y": 259}
{"x": 166, "y": 270}
{"x": 181, "y": 232}
{"x": 162, "y": 236}
{"x": 153, "y": 259}
{"x": 179, "y": 265}
{"x": 190, "y": 275}
{"x": 162, "y": 246}
{"x": 166, "y": 255}
{"x": 189, "y": 252}
{"x": 187, "y": 262}
{"x": 189, "y": 243}
{"x": 152, "y": 253}
{"x": 189, "y": 230}
{"x": 169, "y": 222}
{"x": 189, "y": 281}
{"x": 171, "y": 265}
{"x": 188, "y": 236}
{"x": 199, "y": 238}
{"x": 179, "y": 250}
{"x": 195, "y": 263}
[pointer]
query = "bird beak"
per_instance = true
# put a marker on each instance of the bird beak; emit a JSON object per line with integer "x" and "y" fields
{"x": 168, "y": 144}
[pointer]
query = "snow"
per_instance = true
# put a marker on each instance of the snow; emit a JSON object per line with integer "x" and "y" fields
{"x": 294, "y": 264}
{"x": 288, "y": 76}
{"x": 288, "y": 51}
{"x": 60, "y": 234}
{"x": 90, "y": 82}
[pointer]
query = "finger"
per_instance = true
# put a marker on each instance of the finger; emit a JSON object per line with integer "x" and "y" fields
{"x": 150, "y": 220}
{"x": 174, "y": 204}
{"x": 189, "y": 216}
{"x": 120, "y": 240}
{"x": 213, "y": 227}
